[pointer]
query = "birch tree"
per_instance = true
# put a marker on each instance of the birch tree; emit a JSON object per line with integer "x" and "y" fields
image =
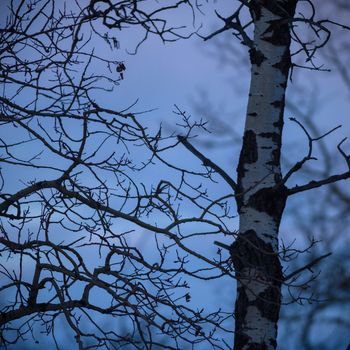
{"x": 73, "y": 134}
{"x": 259, "y": 180}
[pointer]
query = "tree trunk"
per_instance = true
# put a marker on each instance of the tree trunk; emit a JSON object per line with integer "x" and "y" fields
{"x": 262, "y": 197}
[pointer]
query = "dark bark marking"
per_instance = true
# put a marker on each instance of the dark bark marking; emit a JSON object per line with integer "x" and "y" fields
{"x": 283, "y": 85}
{"x": 271, "y": 201}
{"x": 276, "y": 137}
{"x": 239, "y": 199}
{"x": 253, "y": 114}
{"x": 284, "y": 64}
{"x": 256, "y": 57}
{"x": 275, "y": 157}
{"x": 257, "y": 346}
{"x": 249, "y": 152}
{"x": 250, "y": 251}
{"x": 280, "y": 7}
{"x": 240, "y": 314}
{"x": 268, "y": 302}
{"x": 278, "y": 176}
{"x": 273, "y": 342}
{"x": 255, "y": 10}
{"x": 277, "y": 104}
{"x": 284, "y": 10}
{"x": 278, "y": 33}
{"x": 250, "y": 148}
{"x": 276, "y": 153}
{"x": 279, "y": 123}
{"x": 241, "y": 340}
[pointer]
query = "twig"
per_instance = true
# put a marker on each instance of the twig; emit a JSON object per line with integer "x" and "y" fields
{"x": 222, "y": 245}
{"x": 307, "y": 266}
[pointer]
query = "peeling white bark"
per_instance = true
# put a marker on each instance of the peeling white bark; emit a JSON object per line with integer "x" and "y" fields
{"x": 267, "y": 86}
{"x": 259, "y": 328}
{"x": 263, "y": 224}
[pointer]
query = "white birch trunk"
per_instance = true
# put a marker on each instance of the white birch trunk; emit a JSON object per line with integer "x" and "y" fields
{"x": 262, "y": 199}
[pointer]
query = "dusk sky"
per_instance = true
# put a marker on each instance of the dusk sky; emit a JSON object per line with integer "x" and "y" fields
{"x": 199, "y": 78}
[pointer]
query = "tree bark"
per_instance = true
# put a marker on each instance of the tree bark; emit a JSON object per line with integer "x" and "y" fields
{"x": 262, "y": 197}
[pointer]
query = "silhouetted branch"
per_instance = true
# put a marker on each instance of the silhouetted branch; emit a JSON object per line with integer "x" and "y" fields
{"x": 306, "y": 267}
{"x": 207, "y": 162}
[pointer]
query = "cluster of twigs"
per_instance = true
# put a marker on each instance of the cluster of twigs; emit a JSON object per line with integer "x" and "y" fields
{"x": 74, "y": 232}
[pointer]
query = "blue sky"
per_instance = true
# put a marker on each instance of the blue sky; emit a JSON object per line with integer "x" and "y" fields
{"x": 161, "y": 75}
